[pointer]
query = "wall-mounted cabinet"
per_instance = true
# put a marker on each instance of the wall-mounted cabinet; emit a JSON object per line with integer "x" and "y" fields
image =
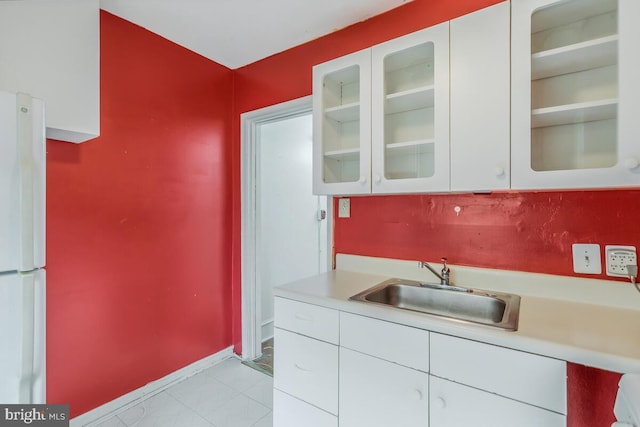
{"x": 381, "y": 117}
{"x": 437, "y": 110}
{"x": 575, "y": 91}
{"x": 51, "y": 50}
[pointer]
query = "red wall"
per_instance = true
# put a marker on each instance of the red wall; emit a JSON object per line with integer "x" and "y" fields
{"x": 524, "y": 231}
{"x": 138, "y": 236}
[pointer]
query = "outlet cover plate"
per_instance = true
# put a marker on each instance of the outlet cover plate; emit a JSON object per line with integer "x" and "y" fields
{"x": 618, "y": 257}
{"x": 344, "y": 208}
{"x": 586, "y": 258}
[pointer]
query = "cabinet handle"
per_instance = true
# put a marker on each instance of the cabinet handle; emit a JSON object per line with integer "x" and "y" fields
{"x": 439, "y": 402}
{"x": 417, "y": 394}
{"x": 303, "y": 317}
{"x": 631, "y": 163}
{"x": 377, "y": 178}
{"x": 302, "y": 368}
{"x": 498, "y": 171}
{"x": 362, "y": 180}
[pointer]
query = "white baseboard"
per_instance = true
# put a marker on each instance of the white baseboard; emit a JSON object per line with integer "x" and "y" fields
{"x": 124, "y": 402}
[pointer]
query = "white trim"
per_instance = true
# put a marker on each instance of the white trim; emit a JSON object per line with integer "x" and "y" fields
{"x": 126, "y": 401}
{"x": 249, "y": 123}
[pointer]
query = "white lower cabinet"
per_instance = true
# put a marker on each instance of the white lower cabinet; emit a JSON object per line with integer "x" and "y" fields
{"x": 377, "y": 393}
{"x": 388, "y": 374}
{"x": 457, "y": 405}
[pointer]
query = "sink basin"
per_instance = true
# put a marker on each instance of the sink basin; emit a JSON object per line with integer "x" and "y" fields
{"x": 477, "y": 306}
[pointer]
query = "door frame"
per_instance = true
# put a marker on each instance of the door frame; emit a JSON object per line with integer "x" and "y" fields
{"x": 250, "y": 123}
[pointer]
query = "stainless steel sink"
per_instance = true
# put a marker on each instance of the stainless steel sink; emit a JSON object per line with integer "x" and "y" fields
{"x": 476, "y": 306}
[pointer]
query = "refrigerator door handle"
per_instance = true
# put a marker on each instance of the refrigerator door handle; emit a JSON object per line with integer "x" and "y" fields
{"x": 26, "y": 390}
{"x": 26, "y": 181}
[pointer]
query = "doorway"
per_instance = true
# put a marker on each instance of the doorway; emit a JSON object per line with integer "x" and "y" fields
{"x": 286, "y": 231}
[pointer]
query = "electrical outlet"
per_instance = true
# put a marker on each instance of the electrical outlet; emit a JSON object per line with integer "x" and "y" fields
{"x": 586, "y": 258}
{"x": 618, "y": 257}
{"x": 344, "y": 208}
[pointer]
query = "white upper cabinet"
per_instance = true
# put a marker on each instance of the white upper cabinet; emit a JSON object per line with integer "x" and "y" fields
{"x": 575, "y": 93}
{"x": 342, "y": 125}
{"x": 381, "y": 117}
{"x": 410, "y": 113}
{"x": 480, "y": 100}
{"x": 51, "y": 50}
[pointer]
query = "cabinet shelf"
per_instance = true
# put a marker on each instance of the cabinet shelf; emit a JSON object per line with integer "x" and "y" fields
{"x": 344, "y": 113}
{"x": 576, "y": 57}
{"x": 574, "y": 113}
{"x": 408, "y": 100}
{"x": 419, "y": 146}
{"x": 346, "y": 154}
{"x": 570, "y": 12}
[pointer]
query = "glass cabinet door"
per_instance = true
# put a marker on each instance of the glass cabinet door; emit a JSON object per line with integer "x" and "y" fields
{"x": 566, "y": 95}
{"x": 410, "y": 112}
{"x": 342, "y": 125}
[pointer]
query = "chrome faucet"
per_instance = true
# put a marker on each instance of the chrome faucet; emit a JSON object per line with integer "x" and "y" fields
{"x": 445, "y": 282}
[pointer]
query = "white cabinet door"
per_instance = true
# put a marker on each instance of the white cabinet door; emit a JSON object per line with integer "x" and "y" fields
{"x": 480, "y": 99}
{"x": 575, "y": 93}
{"x": 456, "y": 405}
{"x": 291, "y": 412}
{"x": 376, "y": 393}
{"x": 410, "y": 112}
{"x": 307, "y": 369}
{"x": 342, "y": 125}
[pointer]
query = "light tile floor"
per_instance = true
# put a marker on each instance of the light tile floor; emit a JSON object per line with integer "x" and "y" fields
{"x": 228, "y": 394}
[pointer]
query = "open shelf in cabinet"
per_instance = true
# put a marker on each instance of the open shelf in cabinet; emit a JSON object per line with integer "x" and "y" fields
{"x": 411, "y": 99}
{"x": 574, "y": 113}
{"x": 344, "y": 113}
{"x": 346, "y": 154}
{"x": 576, "y": 57}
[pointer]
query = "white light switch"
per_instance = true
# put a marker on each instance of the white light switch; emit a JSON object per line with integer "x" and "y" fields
{"x": 586, "y": 258}
{"x": 344, "y": 208}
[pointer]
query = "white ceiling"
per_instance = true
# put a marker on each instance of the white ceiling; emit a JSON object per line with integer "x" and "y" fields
{"x": 238, "y": 32}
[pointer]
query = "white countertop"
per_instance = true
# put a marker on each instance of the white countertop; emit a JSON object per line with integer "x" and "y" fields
{"x": 601, "y": 336}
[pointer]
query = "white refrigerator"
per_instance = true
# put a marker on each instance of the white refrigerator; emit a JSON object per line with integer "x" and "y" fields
{"x": 22, "y": 249}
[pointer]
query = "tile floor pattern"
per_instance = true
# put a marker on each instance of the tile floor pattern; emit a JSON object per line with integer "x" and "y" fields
{"x": 228, "y": 394}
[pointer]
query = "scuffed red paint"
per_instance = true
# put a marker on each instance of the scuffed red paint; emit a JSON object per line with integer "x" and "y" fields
{"x": 525, "y": 231}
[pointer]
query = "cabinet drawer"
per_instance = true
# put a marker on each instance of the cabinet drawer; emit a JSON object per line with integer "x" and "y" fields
{"x": 307, "y": 369}
{"x": 307, "y": 319}
{"x": 458, "y": 405}
{"x": 389, "y": 341}
{"x": 291, "y": 412}
{"x": 529, "y": 378}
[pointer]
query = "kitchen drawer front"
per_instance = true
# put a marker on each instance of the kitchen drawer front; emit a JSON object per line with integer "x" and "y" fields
{"x": 456, "y": 405}
{"x": 307, "y": 369}
{"x": 389, "y": 341}
{"x": 307, "y": 319}
{"x": 291, "y": 412}
{"x": 529, "y": 378}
